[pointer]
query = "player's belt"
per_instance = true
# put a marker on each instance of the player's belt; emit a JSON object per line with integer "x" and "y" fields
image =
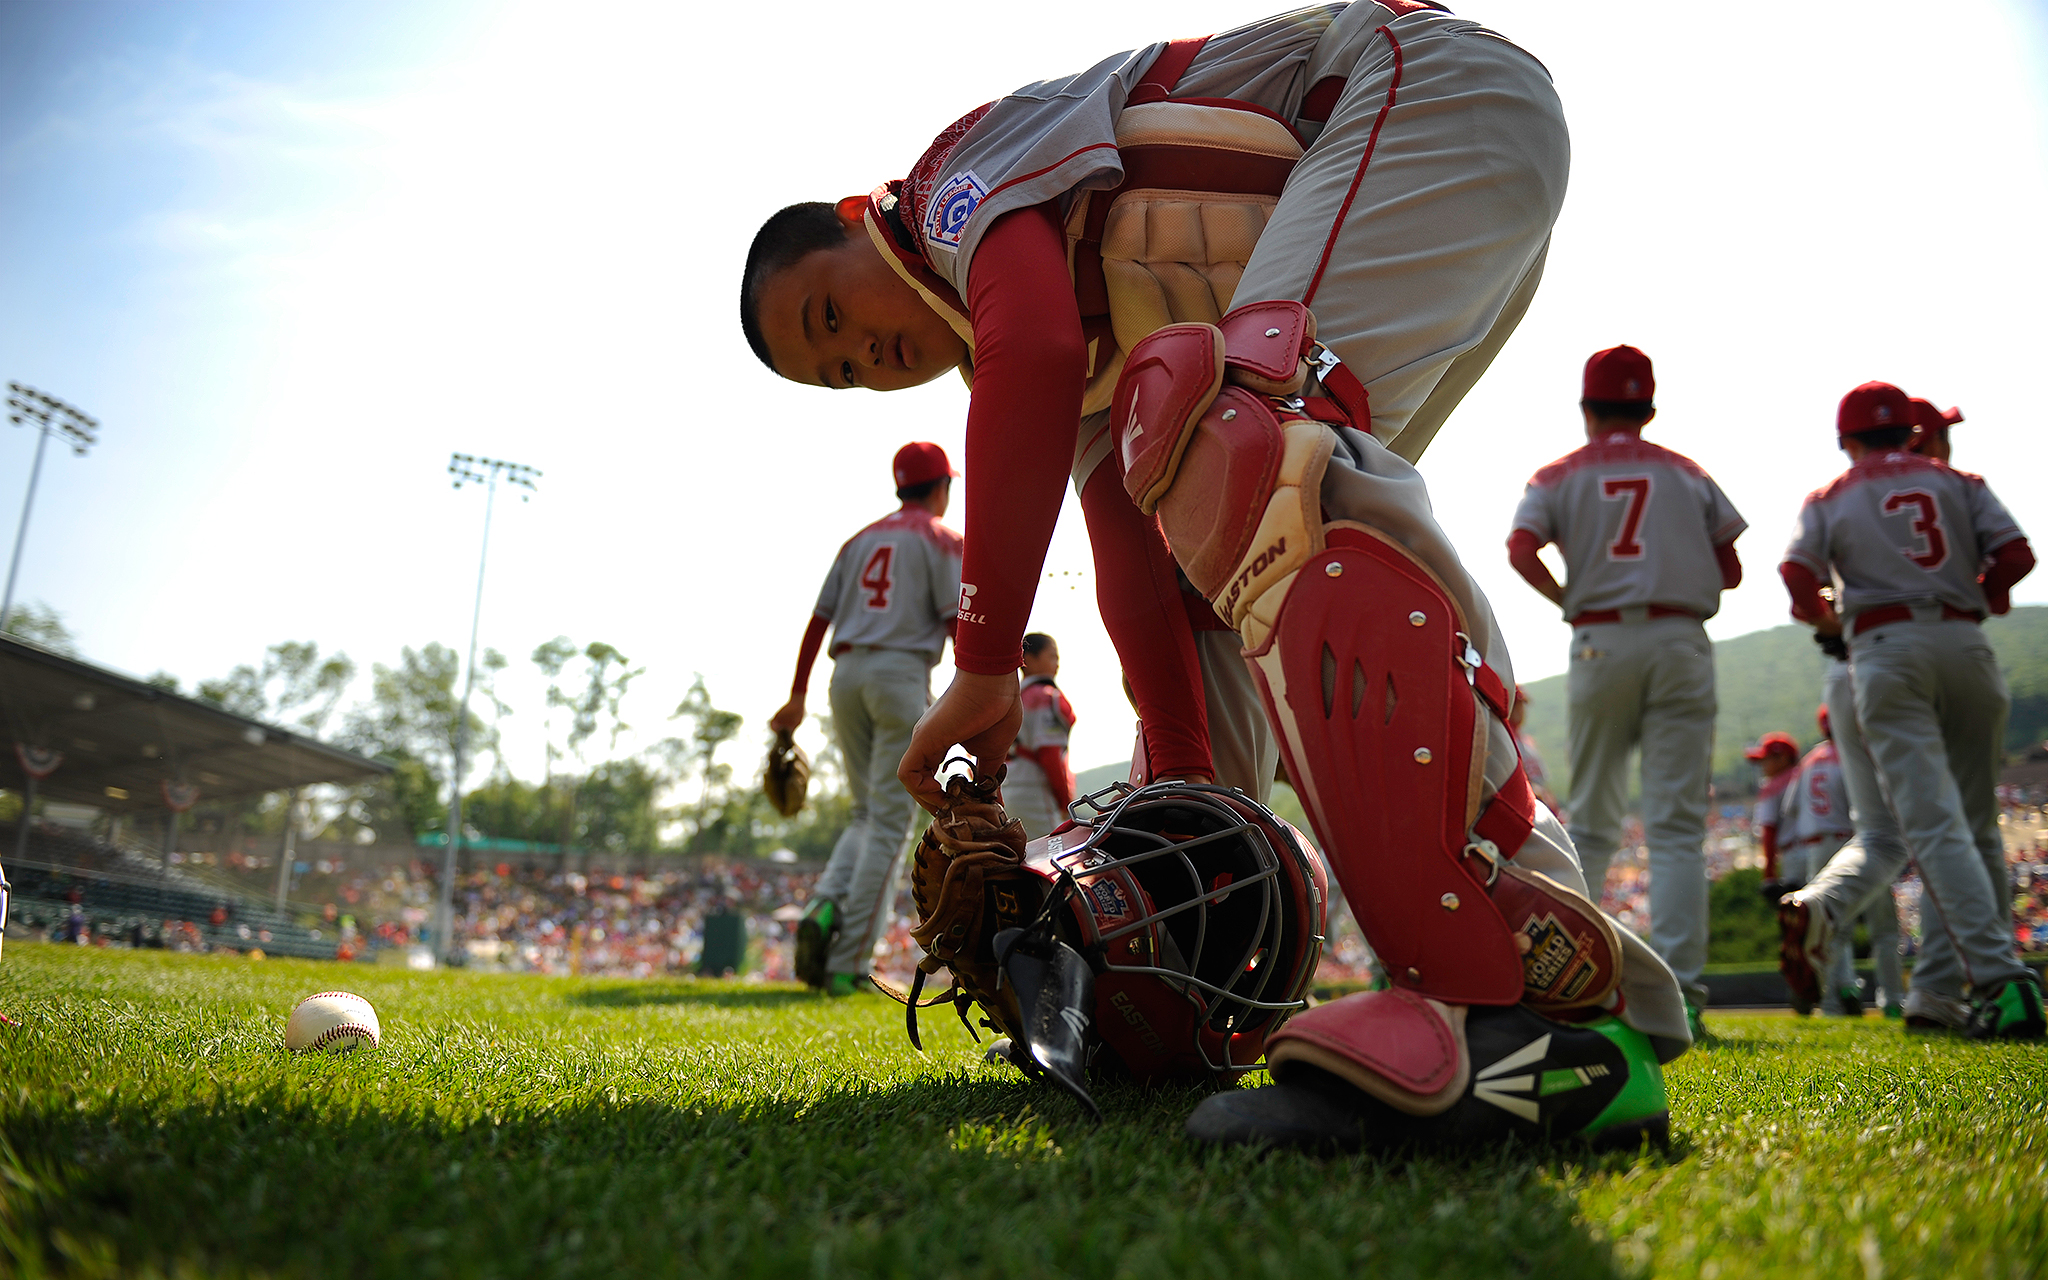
{"x": 1825, "y": 835}
{"x": 1598, "y": 617}
{"x": 838, "y": 649}
{"x": 1904, "y": 613}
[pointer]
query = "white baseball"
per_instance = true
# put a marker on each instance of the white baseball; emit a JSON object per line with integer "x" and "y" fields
{"x": 333, "y": 1022}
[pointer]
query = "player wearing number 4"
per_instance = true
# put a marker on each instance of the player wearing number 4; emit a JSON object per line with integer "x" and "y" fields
{"x": 1918, "y": 554}
{"x": 1649, "y": 545}
{"x": 890, "y": 601}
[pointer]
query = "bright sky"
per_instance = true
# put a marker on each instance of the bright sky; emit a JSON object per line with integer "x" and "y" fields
{"x": 293, "y": 255}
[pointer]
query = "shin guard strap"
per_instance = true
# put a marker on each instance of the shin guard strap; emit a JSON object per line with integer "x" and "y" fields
{"x": 1405, "y": 1050}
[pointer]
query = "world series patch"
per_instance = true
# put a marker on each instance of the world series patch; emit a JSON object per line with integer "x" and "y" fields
{"x": 945, "y": 219}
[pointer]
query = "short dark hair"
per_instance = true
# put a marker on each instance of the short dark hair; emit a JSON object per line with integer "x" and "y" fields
{"x": 1633, "y": 412}
{"x": 919, "y": 492}
{"x": 1883, "y": 437}
{"x": 1035, "y": 642}
{"x": 788, "y": 236}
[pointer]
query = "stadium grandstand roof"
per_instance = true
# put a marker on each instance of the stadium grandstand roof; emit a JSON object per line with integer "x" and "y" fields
{"x": 127, "y": 745}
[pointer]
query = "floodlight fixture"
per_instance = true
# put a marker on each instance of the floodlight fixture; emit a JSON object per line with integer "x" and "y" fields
{"x": 468, "y": 468}
{"x": 50, "y": 416}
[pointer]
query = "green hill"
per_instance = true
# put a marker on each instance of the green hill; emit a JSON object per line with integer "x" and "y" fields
{"x": 1771, "y": 680}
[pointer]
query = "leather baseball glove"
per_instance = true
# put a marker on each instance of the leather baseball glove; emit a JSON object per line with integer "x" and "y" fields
{"x": 969, "y": 882}
{"x": 788, "y": 776}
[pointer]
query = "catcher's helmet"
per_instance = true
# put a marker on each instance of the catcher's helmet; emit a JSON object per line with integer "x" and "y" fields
{"x": 1202, "y": 915}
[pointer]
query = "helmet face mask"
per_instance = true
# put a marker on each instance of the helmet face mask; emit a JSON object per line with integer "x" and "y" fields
{"x": 1202, "y": 915}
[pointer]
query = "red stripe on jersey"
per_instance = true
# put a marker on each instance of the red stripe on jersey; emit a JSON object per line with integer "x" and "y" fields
{"x": 1620, "y": 449}
{"x": 1885, "y": 466}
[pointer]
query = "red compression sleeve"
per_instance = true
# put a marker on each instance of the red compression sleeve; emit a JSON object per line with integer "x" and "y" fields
{"x": 1807, "y": 606}
{"x": 2010, "y": 563}
{"x": 1138, "y": 595}
{"x": 1731, "y": 566}
{"x": 1522, "y": 549}
{"x": 1770, "y": 851}
{"x": 1030, "y": 362}
{"x": 807, "y": 653}
{"x": 1058, "y": 778}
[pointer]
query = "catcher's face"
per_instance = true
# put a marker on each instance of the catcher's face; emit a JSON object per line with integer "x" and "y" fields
{"x": 841, "y": 317}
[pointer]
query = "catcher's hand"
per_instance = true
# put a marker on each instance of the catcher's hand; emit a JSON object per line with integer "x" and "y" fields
{"x": 980, "y": 713}
{"x": 1832, "y": 645}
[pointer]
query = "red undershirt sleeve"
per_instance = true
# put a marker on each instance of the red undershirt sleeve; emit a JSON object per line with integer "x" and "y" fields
{"x": 1770, "y": 835}
{"x": 1058, "y": 779}
{"x": 2010, "y": 563}
{"x": 1804, "y": 589}
{"x": 807, "y": 653}
{"x": 1030, "y": 363}
{"x": 1522, "y": 549}
{"x": 1731, "y": 566}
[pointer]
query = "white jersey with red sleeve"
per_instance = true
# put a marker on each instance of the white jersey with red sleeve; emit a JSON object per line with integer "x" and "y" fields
{"x": 1637, "y": 524}
{"x": 895, "y": 584}
{"x": 1056, "y": 138}
{"x": 1898, "y": 528}
{"x": 1817, "y": 805}
{"x": 1770, "y": 804}
{"x": 1048, "y": 716}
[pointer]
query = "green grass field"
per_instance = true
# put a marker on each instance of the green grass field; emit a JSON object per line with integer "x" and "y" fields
{"x": 153, "y": 1123}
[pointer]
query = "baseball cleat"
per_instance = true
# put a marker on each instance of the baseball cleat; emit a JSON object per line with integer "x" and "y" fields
{"x": 1852, "y": 1001}
{"x": 845, "y": 984}
{"x": 1895, "y": 1011}
{"x": 2011, "y": 1012}
{"x": 1531, "y": 1078}
{"x": 1804, "y": 932}
{"x": 1696, "y": 1024}
{"x": 813, "y": 940}
{"x": 1927, "y": 1013}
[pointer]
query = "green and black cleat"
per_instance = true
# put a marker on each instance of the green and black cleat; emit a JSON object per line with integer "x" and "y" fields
{"x": 2011, "y": 1012}
{"x": 1532, "y": 1078}
{"x": 814, "y": 940}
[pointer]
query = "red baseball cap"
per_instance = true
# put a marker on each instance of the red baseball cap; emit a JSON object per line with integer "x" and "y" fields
{"x": 1925, "y": 415}
{"x": 1780, "y": 743}
{"x": 1619, "y": 373}
{"x": 1873, "y": 406}
{"x": 920, "y": 461}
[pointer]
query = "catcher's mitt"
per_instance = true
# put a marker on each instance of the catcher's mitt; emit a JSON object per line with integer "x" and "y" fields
{"x": 788, "y": 776}
{"x": 969, "y": 882}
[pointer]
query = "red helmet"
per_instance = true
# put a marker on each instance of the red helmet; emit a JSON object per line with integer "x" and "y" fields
{"x": 1202, "y": 914}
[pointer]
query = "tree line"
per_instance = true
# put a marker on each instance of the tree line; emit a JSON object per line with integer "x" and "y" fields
{"x": 675, "y": 797}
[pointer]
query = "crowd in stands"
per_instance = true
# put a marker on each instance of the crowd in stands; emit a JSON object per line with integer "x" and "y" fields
{"x": 549, "y": 919}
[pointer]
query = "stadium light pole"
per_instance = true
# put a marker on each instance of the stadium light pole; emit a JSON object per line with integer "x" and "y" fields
{"x": 51, "y": 416}
{"x": 469, "y": 469}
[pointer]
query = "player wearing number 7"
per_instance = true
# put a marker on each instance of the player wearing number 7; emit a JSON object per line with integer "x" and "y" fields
{"x": 890, "y": 601}
{"x": 1649, "y": 545}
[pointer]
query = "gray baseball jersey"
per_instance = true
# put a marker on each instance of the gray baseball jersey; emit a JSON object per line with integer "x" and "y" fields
{"x": 1897, "y": 528}
{"x": 894, "y": 584}
{"x": 1057, "y": 138}
{"x": 1816, "y": 806}
{"x": 1637, "y": 524}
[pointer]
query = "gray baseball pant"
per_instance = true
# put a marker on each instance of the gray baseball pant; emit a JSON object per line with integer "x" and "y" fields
{"x": 1932, "y": 707}
{"x": 1931, "y": 704}
{"x": 1647, "y": 684}
{"x": 1880, "y": 915}
{"x": 877, "y": 697}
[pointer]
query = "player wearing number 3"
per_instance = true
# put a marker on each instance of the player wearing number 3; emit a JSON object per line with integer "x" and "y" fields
{"x": 890, "y": 601}
{"x": 1649, "y": 545}
{"x": 1917, "y": 554}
